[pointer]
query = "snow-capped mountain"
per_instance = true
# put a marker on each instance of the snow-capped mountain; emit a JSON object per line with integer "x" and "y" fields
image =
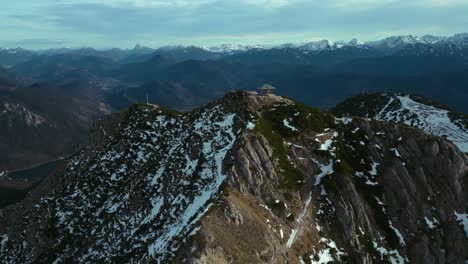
{"x": 353, "y": 42}
{"x": 411, "y": 110}
{"x": 323, "y": 45}
{"x": 285, "y": 53}
{"x": 142, "y": 49}
{"x": 328, "y": 52}
{"x": 432, "y": 39}
{"x": 396, "y": 43}
{"x": 393, "y": 43}
{"x": 246, "y": 179}
{"x": 317, "y": 45}
{"x": 390, "y": 43}
{"x": 233, "y": 48}
{"x": 459, "y": 39}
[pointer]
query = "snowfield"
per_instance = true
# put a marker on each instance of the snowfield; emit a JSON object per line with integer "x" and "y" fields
{"x": 431, "y": 119}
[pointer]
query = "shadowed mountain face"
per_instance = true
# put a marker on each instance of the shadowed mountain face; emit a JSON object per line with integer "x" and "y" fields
{"x": 323, "y": 86}
{"x": 247, "y": 179}
{"x": 319, "y": 85}
{"x": 7, "y": 79}
{"x": 10, "y": 57}
{"x": 63, "y": 67}
{"x": 180, "y": 96}
{"x": 41, "y": 123}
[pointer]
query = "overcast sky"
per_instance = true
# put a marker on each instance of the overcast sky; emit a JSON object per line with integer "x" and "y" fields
{"x": 40, "y": 24}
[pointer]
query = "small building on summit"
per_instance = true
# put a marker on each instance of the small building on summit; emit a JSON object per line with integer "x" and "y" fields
{"x": 266, "y": 89}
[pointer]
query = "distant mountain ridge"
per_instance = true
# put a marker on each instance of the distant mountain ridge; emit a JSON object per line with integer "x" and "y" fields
{"x": 387, "y": 46}
{"x": 41, "y": 122}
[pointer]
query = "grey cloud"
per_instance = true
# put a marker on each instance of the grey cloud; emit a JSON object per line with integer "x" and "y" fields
{"x": 233, "y": 18}
{"x": 119, "y": 24}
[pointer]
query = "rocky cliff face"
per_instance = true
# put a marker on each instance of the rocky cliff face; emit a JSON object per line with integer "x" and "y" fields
{"x": 248, "y": 179}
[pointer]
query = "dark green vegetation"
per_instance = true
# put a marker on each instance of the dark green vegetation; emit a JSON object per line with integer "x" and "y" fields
{"x": 351, "y": 162}
{"x": 290, "y": 175}
{"x": 299, "y": 116}
{"x": 365, "y": 105}
{"x": 272, "y": 127}
{"x": 350, "y": 157}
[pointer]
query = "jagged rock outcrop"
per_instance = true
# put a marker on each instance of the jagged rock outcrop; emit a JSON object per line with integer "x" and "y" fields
{"x": 248, "y": 179}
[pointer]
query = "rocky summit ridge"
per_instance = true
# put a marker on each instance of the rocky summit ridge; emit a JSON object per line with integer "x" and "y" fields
{"x": 247, "y": 179}
{"x": 413, "y": 110}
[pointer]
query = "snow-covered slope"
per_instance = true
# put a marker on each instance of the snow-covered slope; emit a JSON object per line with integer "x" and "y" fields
{"x": 431, "y": 119}
{"x": 414, "y": 111}
{"x": 137, "y": 194}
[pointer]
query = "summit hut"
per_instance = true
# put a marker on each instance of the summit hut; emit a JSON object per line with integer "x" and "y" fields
{"x": 266, "y": 89}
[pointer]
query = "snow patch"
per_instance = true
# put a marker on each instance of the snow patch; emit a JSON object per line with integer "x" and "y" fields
{"x": 373, "y": 172}
{"x": 328, "y": 143}
{"x": 325, "y": 170}
{"x": 397, "y": 233}
{"x": 344, "y": 120}
{"x": 286, "y": 124}
{"x": 463, "y": 219}
{"x": 431, "y": 224}
{"x": 250, "y": 125}
{"x": 330, "y": 254}
{"x": 299, "y": 221}
{"x": 393, "y": 255}
{"x": 396, "y": 152}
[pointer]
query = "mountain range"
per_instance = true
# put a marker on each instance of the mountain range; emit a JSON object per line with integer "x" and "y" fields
{"x": 250, "y": 179}
{"x": 72, "y": 88}
{"x": 390, "y": 45}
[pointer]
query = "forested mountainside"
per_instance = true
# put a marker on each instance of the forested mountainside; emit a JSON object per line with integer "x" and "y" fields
{"x": 247, "y": 179}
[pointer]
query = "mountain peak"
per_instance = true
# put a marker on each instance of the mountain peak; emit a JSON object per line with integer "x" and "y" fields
{"x": 233, "y": 48}
{"x": 139, "y": 47}
{"x": 318, "y": 45}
